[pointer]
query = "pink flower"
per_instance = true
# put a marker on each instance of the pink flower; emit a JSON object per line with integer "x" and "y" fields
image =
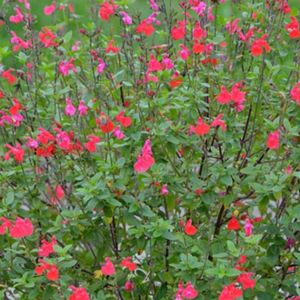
{"x": 118, "y": 133}
{"x": 47, "y": 247}
{"x": 189, "y": 292}
{"x": 153, "y": 5}
{"x": 66, "y": 66}
{"x": 108, "y": 268}
{"x": 164, "y": 190}
{"x": 59, "y": 192}
{"x": 154, "y": 65}
{"x": 79, "y": 293}
{"x": 200, "y": 8}
{"x": 230, "y": 292}
{"x": 5, "y": 225}
{"x": 246, "y": 281}
{"x": 18, "y": 17}
{"x": 70, "y": 109}
{"x": 49, "y": 10}
{"x": 218, "y": 122}
{"x": 82, "y": 108}
{"x": 248, "y": 227}
{"x": 128, "y": 286}
{"x": 145, "y": 160}
{"x": 26, "y": 3}
{"x": 126, "y": 18}
{"x": 101, "y": 66}
{"x": 224, "y": 97}
{"x": 21, "y": 228}
{"x": 167, "y": 62}
{"x": 273, "y": 140}
{"x": 295, "y": 93}
{"x": 18, "y": 152}
{"x": 185, "y": 52}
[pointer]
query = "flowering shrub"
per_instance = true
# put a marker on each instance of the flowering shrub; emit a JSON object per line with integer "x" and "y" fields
{"x": 150, "y": 152}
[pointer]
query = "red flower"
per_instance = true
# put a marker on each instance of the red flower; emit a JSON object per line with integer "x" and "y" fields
{"x": 128, "y": 286}
{"x": 189, "y": 229}
{"x": 5, "y": 224}
{"x": 59, "y": 192}
{"x": 233, "y": 224}
{"x": 224, "y": 97}
{"x": 47, "y": 247}
{"x": 230, "y": 292}
{"x": 107, "y": 9}
{"x": 176, "y": 80}
{"x": 106, "y": 125}
{"x": 79, "y": 294}
{"x": 53, "y": 273}
{"x": 198, "y": 32}
{"x": 201, "y": 128}
{"x": 145, "y": 27}
{"x": 108, "y": 268}
{"x": 198, "y": 47}
{"x": 47, "y": 38}
{"x": 18, "y": 152}
{"x": 128, "y": 264}
{"x": 259, "y": 45}
{"x": 295, "y": 93}
{"x": 218, "y": 122}
{"x": 91, "y": 144}
{"x": 178, "y": 31}
{"x": 111, "y": 47}
{"x": 145, "y": 160}
{"x": 246, "y": 281}
{"x": 21, "y": 228}
{"x": 242, "y": 260}
{"x": 273, "y": 141}
{"x": 124, "y": 121}
{"x": 11, "y": 79}
{"x": 293, "y": 28}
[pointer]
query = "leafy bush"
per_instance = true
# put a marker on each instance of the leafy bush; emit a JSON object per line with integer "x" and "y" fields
{"x": 150, "y": 152}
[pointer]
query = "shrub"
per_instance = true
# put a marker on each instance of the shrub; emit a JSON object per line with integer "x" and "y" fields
{"x": 150, "y": 152}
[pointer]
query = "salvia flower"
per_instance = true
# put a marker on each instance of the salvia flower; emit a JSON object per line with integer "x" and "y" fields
{"x": 273, "y": 140}
{"x": 108, "y": 268}
{"x": 18, "y": 17}
{"x": 46, "y": 247}
{"x": 189, "y": 229}
{"x": 145, "y": 160}
{"x": 49, "y": 10}
{"x": 70, "y": 109}
{"x": 78, "y": 293}
{"x": 246, "y": 281}
{"x": 231, "y": 292}
{"x": 129, "y": 264}
{"x": 295, "y": 93}
{"x": 17, "y": 152}
{"x": 66, "y": 66}
{"x": 260, "y": 45}
{"x": 107, "y": 9}
{"x": 233, "y": 224}
{"x": 293, "y": 28}
{"x": 21, "y": 228}
{"x": 127, "y": 20}
{"x": 248, "y": 227}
